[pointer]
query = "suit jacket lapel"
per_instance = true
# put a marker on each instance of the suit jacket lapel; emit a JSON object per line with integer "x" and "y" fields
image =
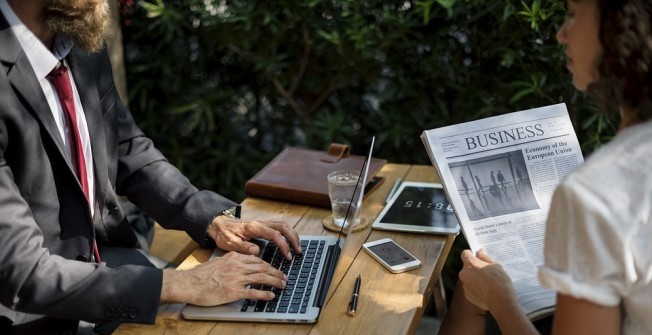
{"x": 85, "y": 81}
{"x": 21, "y": 76}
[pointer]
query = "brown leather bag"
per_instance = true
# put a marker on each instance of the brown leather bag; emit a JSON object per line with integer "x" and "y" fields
{"x": 300, "y": 175}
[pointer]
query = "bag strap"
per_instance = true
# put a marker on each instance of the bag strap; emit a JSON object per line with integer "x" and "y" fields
{"x": 335, "y": 152}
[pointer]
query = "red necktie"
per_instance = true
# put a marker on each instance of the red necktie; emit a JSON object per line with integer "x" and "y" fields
{"x": 59, "y": 77}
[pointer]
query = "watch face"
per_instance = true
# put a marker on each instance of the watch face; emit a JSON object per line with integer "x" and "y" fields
{"x": 233, "y": 212}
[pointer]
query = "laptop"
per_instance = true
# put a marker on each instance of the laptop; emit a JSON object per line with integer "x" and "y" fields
{"x": 309, "y": 276}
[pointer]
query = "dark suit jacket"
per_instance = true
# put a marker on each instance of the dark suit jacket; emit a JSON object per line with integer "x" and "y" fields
{"x": 46, "y": 228}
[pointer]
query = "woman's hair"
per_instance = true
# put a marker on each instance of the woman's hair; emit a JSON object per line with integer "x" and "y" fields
{"x": 625, "y": 68}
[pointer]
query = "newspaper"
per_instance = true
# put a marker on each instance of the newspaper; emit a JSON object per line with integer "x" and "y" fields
{"x": 499, "y": 173}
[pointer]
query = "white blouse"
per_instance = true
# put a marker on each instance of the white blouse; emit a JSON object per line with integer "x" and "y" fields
{"x": 599, "y": 232}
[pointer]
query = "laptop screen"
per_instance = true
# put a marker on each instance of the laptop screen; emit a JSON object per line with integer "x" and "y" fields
{"x": 358, "y": 194}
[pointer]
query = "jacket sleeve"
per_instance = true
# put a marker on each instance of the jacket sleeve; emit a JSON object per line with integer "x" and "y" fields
{"x": 149, "y": 180}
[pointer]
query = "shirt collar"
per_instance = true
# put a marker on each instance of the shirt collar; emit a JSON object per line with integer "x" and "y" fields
{"x": 42, "y": 59}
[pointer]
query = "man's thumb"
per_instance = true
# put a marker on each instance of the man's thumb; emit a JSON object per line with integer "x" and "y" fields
{"x": 249, "y": 248}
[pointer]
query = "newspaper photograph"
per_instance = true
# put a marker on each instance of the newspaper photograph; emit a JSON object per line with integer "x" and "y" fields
{"x": 499, "y": 174}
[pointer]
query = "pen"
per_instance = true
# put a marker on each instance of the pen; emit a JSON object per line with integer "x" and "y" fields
{"x": 397, "y": 183}
{"x": 354, "y": 298}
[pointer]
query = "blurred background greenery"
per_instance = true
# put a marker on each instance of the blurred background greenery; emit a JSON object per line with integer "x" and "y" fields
{"x": 222, "y": 86}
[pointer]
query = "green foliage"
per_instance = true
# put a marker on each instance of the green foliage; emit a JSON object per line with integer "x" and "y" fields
{"x": 222, "y": 86}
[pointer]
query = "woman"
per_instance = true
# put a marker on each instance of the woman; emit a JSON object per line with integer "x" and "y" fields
{"x": 598, "y": 255}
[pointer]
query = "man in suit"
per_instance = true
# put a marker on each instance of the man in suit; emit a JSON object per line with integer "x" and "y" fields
{"x": 64, "y": 158}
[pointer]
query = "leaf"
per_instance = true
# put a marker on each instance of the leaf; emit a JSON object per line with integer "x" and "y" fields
{"x": 153, "y": 10}
{"x": 448, "y": 5}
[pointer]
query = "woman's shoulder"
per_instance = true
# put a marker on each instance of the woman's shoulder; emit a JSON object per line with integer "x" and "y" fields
{"x": 623, "y": 162}
{"x": 616, "y": 176}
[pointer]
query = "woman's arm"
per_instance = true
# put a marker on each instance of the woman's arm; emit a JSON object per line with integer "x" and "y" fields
{"x": 463, "y": 317}
{"x": 578, "y": 316}
{"x": 509, "y": 316}
{"x": 488, "y": 286}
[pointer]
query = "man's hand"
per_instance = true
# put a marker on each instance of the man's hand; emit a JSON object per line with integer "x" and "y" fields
{"x": 484, "y": 281}
{"x": 233, "y": 234}
{"x": 222, "y": 280}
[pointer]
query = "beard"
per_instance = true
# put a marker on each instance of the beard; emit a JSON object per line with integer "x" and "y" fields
{"x": 85, "y": 22}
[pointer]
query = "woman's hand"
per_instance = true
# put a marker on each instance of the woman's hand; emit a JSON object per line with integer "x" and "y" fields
{"x": 485, "y": 282}
{"x": 487, "y": 285}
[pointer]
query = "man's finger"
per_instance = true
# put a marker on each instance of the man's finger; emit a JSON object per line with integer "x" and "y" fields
{"x": 229, "y": 241}
{"x": 272, "y": 232}
{"x": 269, "y": 277}
{"x": 254, "y": 294}
{"x": 290, "y": 236}
{"x": 282, "y": 243}
{"x": 248, "y": 248}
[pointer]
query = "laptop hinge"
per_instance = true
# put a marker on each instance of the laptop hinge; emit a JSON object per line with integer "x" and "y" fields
{"x": 332, "y": 255}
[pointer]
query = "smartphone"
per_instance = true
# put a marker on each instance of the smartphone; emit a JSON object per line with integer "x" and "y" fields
{"x": 372, "y": 184}
{"x": 391, "y": 255}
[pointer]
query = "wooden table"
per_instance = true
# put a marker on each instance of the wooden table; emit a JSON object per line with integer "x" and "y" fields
{"x": 389, "y": 303}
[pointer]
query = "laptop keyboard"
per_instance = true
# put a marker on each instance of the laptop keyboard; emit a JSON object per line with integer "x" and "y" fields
{"x": 302, "y": 278}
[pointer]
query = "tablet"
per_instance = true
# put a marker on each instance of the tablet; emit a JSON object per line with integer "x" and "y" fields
{"x": 419, "y": 208}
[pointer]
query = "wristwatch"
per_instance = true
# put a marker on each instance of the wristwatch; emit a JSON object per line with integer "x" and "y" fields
{"x": 232, "y": 212}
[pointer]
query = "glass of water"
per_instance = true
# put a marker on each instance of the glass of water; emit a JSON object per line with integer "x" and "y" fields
{"x": 341, "y": 187}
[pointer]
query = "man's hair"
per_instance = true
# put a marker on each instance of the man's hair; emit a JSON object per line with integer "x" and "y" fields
{"x": 625, "y": 66}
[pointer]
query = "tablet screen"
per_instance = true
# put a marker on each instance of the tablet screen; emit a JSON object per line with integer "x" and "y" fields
{"x": 418, "y": 207}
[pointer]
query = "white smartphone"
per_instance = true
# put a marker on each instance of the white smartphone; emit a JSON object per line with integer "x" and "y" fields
{"x": 391, "y": 255}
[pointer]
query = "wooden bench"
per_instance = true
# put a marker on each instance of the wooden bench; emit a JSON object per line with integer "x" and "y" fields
{"x": 171, "y": 245}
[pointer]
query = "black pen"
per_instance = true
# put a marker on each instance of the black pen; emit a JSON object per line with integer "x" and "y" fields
{"x": 354, "y": 298}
